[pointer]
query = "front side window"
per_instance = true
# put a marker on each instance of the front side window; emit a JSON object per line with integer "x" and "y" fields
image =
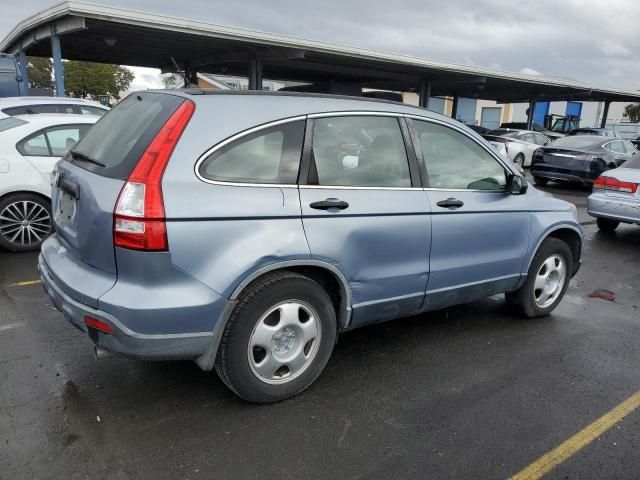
{"x": 451, "y": 160}
{"x": 271, "y": 155}
{"x": 359, "y": 151}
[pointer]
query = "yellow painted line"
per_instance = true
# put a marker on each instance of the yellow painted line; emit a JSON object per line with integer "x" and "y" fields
{"x": 584, "y": 437}
{"x": 25, "y": 284}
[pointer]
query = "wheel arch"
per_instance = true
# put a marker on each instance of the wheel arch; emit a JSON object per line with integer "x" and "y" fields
{"x": 26, "y": 192}
{"x": 569, "y": 234}
{"x": 326, "y": 274}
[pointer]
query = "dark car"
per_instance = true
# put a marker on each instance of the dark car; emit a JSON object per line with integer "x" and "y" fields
{"x": 602, "y": 132}
{"x": 479, "y": 129}
{"x": 579, "y": 158}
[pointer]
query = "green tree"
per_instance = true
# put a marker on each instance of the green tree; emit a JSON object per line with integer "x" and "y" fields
{"x": 40, "y": 72}
{"x": 88, "y": 79}
{"x": 632, "y": 112}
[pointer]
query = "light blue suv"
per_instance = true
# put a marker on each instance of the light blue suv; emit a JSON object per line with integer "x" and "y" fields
{"x": 246, "y": 230}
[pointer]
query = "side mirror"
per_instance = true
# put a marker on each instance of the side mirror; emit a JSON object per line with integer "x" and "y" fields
{"x": 517, "y": 184}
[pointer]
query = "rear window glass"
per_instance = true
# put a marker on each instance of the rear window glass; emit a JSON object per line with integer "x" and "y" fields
{"x": 577, "y": 141}
{"x": 502, "y": 132}
{"x": 121, "y": 136}
{"x": 7, "y": 123}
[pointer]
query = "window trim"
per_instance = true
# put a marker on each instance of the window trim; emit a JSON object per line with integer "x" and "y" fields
{"x": 494, "y": 154}
{"x": 238, "y": 136}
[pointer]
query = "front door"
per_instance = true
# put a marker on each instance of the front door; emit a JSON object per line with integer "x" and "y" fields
{"x": 363, "y": 213}
{"x": 480, "y": 233}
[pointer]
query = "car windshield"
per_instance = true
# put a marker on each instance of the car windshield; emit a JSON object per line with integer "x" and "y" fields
{"x": 11, "y": 122}
{"x": 578, "y": 141}
{"x": 503, "y": 132}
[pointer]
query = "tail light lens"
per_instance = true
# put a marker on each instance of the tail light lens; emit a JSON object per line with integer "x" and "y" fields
{"x": 139, "y": 218}
{"x": 612, "y": 183}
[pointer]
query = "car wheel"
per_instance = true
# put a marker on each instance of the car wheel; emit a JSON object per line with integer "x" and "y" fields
{"x": 519, "y": 160}
{"x": 547, "y": 280}
{"x": 25, "y": 222}
{"x": 540, "y": 181}
{"x": 278, "y": 338}
{"x": 607, "y": 225}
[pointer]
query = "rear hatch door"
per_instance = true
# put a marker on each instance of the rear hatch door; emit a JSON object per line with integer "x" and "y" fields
{"x": 88, "y": 180}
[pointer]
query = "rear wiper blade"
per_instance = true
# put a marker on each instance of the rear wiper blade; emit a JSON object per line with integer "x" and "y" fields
{"x": 81, "y": 156}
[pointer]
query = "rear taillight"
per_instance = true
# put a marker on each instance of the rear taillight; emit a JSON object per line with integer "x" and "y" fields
{"x": 138, "y": 218}
{"x": 612, "y": 183}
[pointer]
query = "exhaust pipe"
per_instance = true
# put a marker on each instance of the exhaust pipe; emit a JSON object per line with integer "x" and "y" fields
{"x": 101, "y": 353}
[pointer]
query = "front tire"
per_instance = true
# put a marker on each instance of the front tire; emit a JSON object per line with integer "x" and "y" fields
{"x": 547, "y": 280}
{"x": 25, "y": 222}
{"x": 607, "y": 225}
{"x": 278, "y": 339}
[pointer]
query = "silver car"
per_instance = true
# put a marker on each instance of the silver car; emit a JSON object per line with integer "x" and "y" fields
{"x": 616, "y": 196}
{"x": 519, "y": 144}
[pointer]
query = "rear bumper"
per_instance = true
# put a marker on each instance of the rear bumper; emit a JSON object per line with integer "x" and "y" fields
{"x": 551, "y": 172}
{"x": 124, "y": 341}
{"x": 601, "y": 205}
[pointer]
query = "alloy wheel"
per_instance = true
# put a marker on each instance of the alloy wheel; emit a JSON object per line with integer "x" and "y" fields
{"x": 549, "y": 281}
{"x": 25, "y": 223}
{"x": 284, "y": 342}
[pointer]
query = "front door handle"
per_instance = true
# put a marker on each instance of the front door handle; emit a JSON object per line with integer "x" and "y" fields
{"x": 450, "y": 203}
{"x": 329, "y": 204}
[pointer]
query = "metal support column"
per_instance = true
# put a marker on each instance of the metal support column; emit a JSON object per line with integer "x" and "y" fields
{"x": 24, "y": 72}
{"x": 532, "y": 108}
{"x": 425, "y": 93}
{"x": 58, "y": 71}
{"x": 454, "y": 107}
{"x": 255, "y": 74}
{"x": 605, "y": 114}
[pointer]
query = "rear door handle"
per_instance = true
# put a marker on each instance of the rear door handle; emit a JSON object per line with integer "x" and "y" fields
{"x": 450, "y": 203}
{"x": 329, "y": 203}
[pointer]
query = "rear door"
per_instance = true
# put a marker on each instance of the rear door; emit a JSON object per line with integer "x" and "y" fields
{"x": 364, "y": 212}
{"x": 89, "y": 178}
{"x": 480, "y": 233}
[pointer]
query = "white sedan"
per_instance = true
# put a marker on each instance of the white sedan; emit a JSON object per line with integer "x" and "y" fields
{"x": 519, "y": 144}
{"x": 30, "y": 146}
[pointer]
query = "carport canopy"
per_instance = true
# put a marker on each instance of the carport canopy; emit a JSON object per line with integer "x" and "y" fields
{"x": 83, "y": 31}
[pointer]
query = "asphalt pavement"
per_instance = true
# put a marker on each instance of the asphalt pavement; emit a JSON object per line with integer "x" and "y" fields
{"x": 467, "y": 392}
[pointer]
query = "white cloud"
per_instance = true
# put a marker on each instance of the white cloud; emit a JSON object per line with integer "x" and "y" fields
{"x": 529, "y": 71}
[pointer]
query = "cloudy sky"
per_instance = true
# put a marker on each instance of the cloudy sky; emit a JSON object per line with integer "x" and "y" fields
{"x": 594, "y": 41}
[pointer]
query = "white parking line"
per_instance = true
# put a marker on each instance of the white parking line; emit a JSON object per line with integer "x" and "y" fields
{"x": 10, "y": 326}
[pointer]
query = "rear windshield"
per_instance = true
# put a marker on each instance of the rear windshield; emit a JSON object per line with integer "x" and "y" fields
{"x": 7, "y": 123}
{"x": 503, "y": 132}
{"x": 121, "y": 136}
{"x": 576, "y": 141}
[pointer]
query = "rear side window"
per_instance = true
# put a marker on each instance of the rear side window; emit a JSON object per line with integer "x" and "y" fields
{"x": 616, "y": 146}
{"x": 271, "y": 155}
{"x": 52, "y": 141}
{"x": 84, "y": 110}
{"x": 120, "y": 137}
{"x": 359, "y": 151}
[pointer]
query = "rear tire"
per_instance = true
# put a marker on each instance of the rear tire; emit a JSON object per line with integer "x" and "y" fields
{"x": 25, "y": 222}
{"x": 547, "y": 280}
{"x": 278, "y": 339}
{"x": 541, "y": 181}
{"x": 607, "y": 225}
